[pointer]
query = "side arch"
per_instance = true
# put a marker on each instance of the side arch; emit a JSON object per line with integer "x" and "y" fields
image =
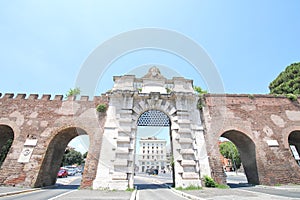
{"x": 247, "y": 150}
{"x": 286, "y": 133}
{"x": 294, "y": 143}
{"x": 7, "y": 137}
{"x": 53, "y": 156}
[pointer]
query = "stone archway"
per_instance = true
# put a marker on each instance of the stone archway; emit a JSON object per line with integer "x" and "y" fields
{"x": 129, "y": 99}
{"x": 53, "y": 157}
{"x": 294, "y": 143}
{"x": 7, "y": 137}
{"x": 247, "y": 150}
{"x": 157, "y": 118}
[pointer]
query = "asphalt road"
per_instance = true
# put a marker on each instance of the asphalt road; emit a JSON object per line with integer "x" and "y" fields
{"x": 73, "y": 182}
{"x": 148, "y": 189}
{"x": 273, "y": 191}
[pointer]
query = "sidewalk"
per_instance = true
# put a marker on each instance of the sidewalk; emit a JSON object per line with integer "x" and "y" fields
{"x": 5, "y": 191}
{"x": 236, "y": 193}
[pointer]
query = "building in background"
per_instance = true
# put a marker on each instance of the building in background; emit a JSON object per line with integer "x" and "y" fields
{"x": 152, "y": 154}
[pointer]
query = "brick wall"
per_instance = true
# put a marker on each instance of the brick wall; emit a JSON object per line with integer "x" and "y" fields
{"x": 261, "y": 119}
{"x": 43, "y": 119}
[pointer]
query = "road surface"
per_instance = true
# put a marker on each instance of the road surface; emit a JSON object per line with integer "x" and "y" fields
{"x": 63, "y": 186}
{"x": 153, "y": 187}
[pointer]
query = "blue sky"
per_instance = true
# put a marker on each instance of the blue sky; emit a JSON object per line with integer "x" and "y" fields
{"x": 45, "y": 43}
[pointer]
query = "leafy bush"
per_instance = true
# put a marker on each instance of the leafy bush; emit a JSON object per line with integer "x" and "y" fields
{"x": 209, "y": 182}
{"x": 101, "y": 108}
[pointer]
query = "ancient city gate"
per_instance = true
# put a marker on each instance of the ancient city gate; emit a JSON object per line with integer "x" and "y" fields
{"x": 176, "y": 99}
{"x": 261, "y": 126}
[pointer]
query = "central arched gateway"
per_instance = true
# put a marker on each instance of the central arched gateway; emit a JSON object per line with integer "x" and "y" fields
{"x": 154, "y": 153}
{"x": 152, "y": 94}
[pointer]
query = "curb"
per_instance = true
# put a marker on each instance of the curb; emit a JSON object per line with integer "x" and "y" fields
{"x": 133, "y": 194}
{"x": 186, "y": 195}
{"x": 18, "y": 192}
{"x": 180, "y": 193}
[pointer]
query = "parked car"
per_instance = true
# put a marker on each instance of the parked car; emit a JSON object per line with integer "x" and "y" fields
{"x": 71, "y": 172}
{"x": 152, "y": 171}
{"x": 62, "y": 173}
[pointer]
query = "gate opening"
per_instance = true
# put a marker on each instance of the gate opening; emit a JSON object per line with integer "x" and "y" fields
{"x": 7, "y": 137}
{"x": 64, "y": 160}
{"x": 153, "y": 152}
{"x": 294, "y": 143}
{"x": 244, "y": 162}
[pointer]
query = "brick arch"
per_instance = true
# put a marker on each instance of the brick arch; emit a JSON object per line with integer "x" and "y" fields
{"x": 6, "y": 134}
{"x": 286, "y": 133}
{"x": 247, "y": 149}
{"x": 15, "y": 128}
{"x": 54, "y": 153}
{"x": 244, "y": 131}
{"x": 292, "y": 137}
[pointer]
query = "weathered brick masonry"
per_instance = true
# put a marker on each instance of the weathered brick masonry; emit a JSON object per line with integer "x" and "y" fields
{"x": 258, "y": 119}
{"x": 53, "y": 122}
{"x": 259, "y": 125}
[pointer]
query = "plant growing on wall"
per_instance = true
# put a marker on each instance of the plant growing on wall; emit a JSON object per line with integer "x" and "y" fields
{"x": 73, "y": 92}
{"x": 101, "y": 107}
{"x": 200, "y": 92}
{"x": 168, "y": 90}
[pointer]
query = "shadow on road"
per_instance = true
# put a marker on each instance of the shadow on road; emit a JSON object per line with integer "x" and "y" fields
{"x": 239, "y": 185}
{"x": 151, "y": 186}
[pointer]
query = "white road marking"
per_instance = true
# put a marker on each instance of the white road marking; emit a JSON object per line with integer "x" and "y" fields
{"x": 58, "y": 196}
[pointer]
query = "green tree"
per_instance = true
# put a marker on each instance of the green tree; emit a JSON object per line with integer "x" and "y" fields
{"x": 73, "y": 92}
{"x": 84, "y": 155}
{"x": 288, "y": 81}
{"x": 229, "y": 151}
{"x": 72, "y": 157}
{"x": 4, "y": 150}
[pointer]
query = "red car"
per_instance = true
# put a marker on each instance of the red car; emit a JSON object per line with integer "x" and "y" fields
{"x": 62, "y": 173}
